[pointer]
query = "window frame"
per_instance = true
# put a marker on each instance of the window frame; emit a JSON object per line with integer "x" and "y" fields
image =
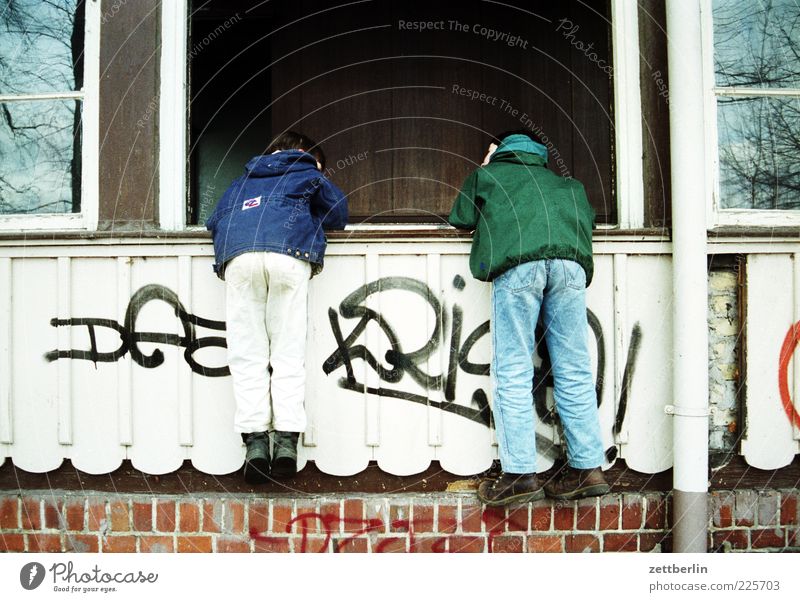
{"x": 717, "y": 216}
{"x": 173, "y": 122}
{"x": 87, "y": 218}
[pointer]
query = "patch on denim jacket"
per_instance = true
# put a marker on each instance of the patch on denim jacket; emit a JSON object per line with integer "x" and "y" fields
{"x": 251, "y": 203}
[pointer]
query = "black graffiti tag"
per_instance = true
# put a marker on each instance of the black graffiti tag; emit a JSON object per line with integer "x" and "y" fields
{"x": 130, "y": 338}
{"x": 407, "y": 362}
{"x": 402, "y": 362}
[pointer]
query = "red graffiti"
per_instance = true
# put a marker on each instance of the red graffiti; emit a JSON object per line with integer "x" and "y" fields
{"x": 498, "y": 527}
{"x": 790, "y": 343}
{"x": 355, "y": 527}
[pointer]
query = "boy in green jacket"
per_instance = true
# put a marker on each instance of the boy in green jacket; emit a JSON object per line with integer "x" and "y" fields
{"x": 533, "y": 240}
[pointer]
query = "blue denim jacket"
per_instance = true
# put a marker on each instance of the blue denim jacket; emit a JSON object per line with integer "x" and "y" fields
{"x": 282, "y": 204}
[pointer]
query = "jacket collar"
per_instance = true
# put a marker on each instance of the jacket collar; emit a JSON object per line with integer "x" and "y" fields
{"x": 279, "y": 163}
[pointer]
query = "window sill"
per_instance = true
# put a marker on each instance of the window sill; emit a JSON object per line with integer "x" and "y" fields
{"x": 387, "y": 231}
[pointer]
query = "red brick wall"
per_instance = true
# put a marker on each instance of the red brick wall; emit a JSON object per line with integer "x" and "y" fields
{"x": 68, "y": 521}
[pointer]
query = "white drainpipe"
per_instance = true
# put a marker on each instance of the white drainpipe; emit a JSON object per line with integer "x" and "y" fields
{"x": 689, "y": 279}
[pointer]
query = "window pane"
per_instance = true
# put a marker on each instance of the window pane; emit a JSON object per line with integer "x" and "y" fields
{"x": 41, "y": 46}
{"x": 759, "y": 153}
{"x": 757, "y": 43}
{"x": 40, "y": 167}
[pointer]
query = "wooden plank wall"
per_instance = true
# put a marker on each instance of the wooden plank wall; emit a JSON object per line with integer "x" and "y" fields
{"x": 116, "y": 367}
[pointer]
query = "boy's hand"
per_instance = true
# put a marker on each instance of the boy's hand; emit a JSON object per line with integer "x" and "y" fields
{"x": 489, "y": 153}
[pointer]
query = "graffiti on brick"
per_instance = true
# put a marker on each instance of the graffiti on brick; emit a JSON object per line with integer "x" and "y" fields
{"x": 344, "y": 533}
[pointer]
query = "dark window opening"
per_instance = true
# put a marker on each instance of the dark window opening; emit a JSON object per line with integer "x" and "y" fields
{"x": 402, "y": 96}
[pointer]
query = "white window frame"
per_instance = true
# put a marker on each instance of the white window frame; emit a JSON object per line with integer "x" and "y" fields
{"x": 173, "y": 112}
{"x": 719, "y": 216}
{"x": 90, "y": 148}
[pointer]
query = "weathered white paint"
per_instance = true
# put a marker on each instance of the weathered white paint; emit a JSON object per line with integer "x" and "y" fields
{"x": 124, "y": 384}
{"x": 338, "y": 417}
{"x": 64, "y": 342}
{"x": 649, "y": 304}
{"x": 6, "y": 435}
{"x": 604, "y": 302}
{"x": 768, "y": 441}
{"x": 156, "y": 447}
{"x": 34, "y": 382}
{"x": 158, "y": 417}
{"x": 627, "y": 112}
{"x": 184, "y": 377}
{"x": 96, "y": 447}
{"x": 620, "y": 329}
{"x": 173, "y": 114}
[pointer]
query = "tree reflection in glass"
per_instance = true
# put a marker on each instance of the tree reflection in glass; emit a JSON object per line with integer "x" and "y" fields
{"x": 41, "y": 53}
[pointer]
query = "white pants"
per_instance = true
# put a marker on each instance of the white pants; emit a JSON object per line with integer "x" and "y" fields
{"x": 266, "y": 316}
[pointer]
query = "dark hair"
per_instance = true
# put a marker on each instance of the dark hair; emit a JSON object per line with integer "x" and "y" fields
{"x": 500, "y": 137}
{"x": 290, "y": 140}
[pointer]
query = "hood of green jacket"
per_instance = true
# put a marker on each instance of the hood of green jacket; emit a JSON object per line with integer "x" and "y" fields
{"x": 525, "y": 149}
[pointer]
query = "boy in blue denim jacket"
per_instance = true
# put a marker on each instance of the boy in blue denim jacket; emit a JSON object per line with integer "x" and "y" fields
{"x": 269, "y": 240}
{"x": 533, "y": 240}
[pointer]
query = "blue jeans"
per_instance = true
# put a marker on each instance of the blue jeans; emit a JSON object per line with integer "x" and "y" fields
{"x": 557, "y": 288}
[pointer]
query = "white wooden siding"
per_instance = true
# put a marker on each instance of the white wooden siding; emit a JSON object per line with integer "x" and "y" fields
{"x": 773, "y": 307}
{"x": 100, "y": 410}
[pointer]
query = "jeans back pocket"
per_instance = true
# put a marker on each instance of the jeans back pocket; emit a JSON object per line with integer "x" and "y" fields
{"x": 518, "y": 278}
{"x": 574, "y": 276}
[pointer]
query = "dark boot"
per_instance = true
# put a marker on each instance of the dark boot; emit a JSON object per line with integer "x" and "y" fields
{"x": 510, "y": 488}
{"x": 573, "y": 483}
{"x": 256, "y": 461}
{"x": 284, "y": 451}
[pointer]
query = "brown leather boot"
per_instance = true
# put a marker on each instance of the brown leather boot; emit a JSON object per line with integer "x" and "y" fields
{"x": 573, "y": 483}
{"x": 510, "y": 488}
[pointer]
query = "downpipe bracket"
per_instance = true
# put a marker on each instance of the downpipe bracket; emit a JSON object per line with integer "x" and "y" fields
{"x": 673, "y": 410}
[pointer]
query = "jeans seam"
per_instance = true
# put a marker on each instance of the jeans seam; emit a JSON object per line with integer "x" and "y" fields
{"x": 502, "y": 440}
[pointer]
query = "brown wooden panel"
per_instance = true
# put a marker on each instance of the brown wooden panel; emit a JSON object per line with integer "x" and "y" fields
{"x": 549, "y": 86}
{"x": 514, "y": 75}
{"x": 346, "y": 103}
{"x": 655, "y": 112}
{"x": 287, "y": 69}
{"x": 436, "y": 133}
{"x": 129, "y": 62}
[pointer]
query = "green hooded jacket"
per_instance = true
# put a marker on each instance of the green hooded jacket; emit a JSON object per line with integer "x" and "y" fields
{"x": 521, "y": 211}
